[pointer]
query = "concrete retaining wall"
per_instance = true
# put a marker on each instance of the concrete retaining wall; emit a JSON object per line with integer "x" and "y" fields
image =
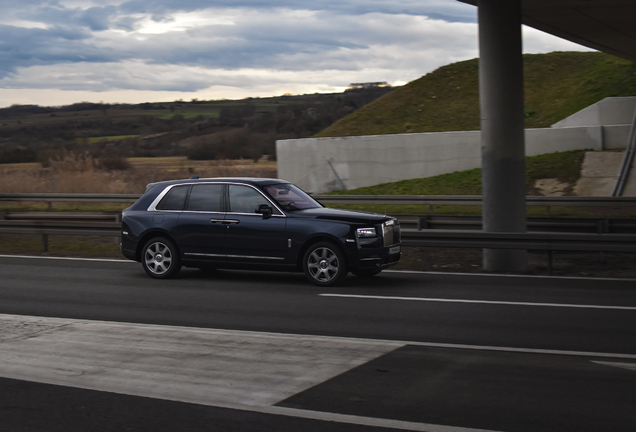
{"x": 609, "y": 111}
{"x": 320, "y": 165}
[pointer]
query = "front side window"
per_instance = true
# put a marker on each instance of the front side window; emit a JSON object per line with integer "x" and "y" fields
{"x": 291, "y": 197}
{"x": 244, "y": 199}
{"x": 206, "y": 198}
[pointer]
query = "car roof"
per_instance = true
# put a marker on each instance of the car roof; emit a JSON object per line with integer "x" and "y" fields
{"x": 247, "y": 180}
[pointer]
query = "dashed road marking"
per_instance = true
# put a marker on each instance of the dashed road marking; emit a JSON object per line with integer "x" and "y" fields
{"x": 492, "y": 302}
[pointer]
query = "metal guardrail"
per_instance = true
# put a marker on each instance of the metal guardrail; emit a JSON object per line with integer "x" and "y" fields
{"x": 549, "y": 242}
{"x": 69, "y": 197}
{"x": 413, "y": 233}
{"x": 474, "y": 200}
{"x": 473, "y": 239}
{"x": 60, "y": 223}
{"x": 526, "y": 241}
{"x": 580, "y": 225}
{"x": 596, "y": 235}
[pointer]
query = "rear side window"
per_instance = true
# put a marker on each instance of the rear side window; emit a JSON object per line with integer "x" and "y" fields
{"x": 206, "y": 197}
{"x": 174, "y": 199}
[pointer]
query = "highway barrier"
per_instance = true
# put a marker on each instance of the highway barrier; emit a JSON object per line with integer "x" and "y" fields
{"x": 593, "y": 235}
{"x": 459, "y": 200}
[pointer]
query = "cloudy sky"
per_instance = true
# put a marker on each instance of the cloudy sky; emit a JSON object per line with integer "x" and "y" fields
{"x": 57, "y": 52}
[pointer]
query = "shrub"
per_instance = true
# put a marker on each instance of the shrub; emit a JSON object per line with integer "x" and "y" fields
{"x": 110, "y": 163}
{"x": 68, "y": 161}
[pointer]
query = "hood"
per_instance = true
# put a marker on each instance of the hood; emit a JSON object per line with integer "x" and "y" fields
{"x": 340, "y": 215}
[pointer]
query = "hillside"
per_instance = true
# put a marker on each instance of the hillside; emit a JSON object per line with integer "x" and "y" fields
{"x": 215, "y": 129}
{"x": 556, "y": 86}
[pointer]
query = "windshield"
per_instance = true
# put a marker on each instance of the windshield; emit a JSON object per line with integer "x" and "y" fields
{"x": 290, "y": 197}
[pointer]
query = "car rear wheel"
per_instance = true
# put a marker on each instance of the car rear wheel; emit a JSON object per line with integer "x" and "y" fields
{"x": 324, "y": 264}
{"x": 160, "y": 258}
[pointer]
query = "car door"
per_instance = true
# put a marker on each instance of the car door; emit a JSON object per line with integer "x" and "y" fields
{"x": 201, "y": 230}
{"x": 249, "y": 237}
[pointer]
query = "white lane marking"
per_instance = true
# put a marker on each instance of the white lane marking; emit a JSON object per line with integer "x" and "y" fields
{"x": 67, "y": 258}
{"x": 522, "y": 350}
{"x": 365, "y": 421}
{"x": 500, "y": 275}
{"x": 494, "y": 302}
{"x": 628, "y": 366}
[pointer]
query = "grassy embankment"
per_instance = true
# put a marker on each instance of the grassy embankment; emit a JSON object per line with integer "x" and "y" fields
{"x": 564, "y": 167}
{"x": 557, "y": 85}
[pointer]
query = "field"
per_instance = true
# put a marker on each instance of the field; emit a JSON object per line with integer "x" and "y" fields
{"x": 79, "y": 174}
{"x": 165, "y": 110}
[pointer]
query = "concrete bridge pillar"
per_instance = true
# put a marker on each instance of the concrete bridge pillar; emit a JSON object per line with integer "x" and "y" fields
{"x": 502, "y": 128}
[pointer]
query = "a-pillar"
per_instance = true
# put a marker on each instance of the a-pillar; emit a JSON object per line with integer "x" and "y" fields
{"x": 502, "y": 128}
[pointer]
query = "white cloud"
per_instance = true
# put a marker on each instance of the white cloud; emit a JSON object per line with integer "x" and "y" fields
{"x": 536, "y": 41}
{"x": 128, "y": 49}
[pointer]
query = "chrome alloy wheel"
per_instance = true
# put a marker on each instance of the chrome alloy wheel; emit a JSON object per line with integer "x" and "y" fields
{"x": 160, "y": 258}
{"x": 324, "y": 264}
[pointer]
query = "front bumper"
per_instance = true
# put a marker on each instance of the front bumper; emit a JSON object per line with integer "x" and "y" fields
{"x": 377, "y": 258}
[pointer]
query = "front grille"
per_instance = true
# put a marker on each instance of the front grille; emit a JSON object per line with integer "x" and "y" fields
{"x": 391, "y": 233}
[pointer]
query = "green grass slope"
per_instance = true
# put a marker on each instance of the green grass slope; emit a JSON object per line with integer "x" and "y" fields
{"x": 564, "y": 166}
{"x": 556, "y": 85}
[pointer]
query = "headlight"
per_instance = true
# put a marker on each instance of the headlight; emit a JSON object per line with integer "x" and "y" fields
{"x": 366, "y": 232}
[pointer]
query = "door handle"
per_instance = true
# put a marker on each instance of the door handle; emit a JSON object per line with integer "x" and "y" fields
{"x": 216, "y": 220}
{"x": 231, "y": 221}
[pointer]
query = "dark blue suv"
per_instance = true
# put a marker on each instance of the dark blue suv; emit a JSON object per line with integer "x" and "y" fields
{"x": 254, "y": 223}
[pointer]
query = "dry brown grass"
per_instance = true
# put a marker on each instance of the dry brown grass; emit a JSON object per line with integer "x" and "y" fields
{"x": 79, "y": 173}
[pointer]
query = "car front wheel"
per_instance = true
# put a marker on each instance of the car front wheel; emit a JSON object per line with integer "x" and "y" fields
{"x": 324, "y": 264}
{"x": 160, "y": 258}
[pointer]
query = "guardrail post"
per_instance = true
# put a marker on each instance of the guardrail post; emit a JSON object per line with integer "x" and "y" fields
{"x": 550, "y": 252}
{"x": 45, "y": 242}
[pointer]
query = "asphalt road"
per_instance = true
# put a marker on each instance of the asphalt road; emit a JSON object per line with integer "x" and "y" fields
{"x": 454, "y": 351}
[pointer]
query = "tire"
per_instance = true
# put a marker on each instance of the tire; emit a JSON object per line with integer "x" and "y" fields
{"x": 160, "y": 258}
{"x": 366, "y": 273}
{"x": 324, "y": 264}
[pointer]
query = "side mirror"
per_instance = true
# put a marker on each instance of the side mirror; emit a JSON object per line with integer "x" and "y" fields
{"x": 265, "y": 210}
